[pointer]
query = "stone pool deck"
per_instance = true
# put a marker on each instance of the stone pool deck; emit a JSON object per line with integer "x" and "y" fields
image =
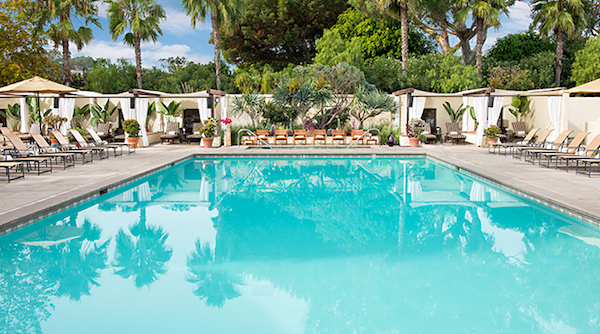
{"x": 26, "y": 200}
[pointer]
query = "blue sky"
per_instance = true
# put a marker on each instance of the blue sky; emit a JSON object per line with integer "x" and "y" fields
{"x": 179, "y": 39}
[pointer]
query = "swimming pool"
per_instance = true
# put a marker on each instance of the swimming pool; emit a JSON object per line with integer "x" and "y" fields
{"x": 309, "y": 245}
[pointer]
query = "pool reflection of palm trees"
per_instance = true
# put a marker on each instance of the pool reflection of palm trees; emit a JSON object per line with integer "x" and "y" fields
{"x": 144, "y": 254}
{"x": 214, "y": 283}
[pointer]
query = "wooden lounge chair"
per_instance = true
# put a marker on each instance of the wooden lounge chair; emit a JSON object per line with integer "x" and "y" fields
{"x": 320, "y": 135}
{"x": 573, "y": 147}
{"x": 171, "y": 133}
{"x": 428, "y": 133}
{"x": 454, "y": 133}
{"x": 556, "y": 146}
{"x": 528, "y": 141}
{"x": 195, "y": 135}
{"x": 338, "y": 135}
{"x": 591, "y": 150}
{"x": 371, "y": 139}
{"x": 21, "y": 153}
{"x": 539, "y": 143}
{"x": 357, "y": 136}
{"x": 99, "y": 141}
{"x": 281, "y": 135}
{"x": 64, "y": 146}
{"x": 300, "y": 135}
{"x": 262, "y": 134}
{"x": 13, "y": 165}
{"x": 45, "y": 149}
{"x": 84, "y": 144}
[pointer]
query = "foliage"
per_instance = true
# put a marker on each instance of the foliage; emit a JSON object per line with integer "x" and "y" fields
{"x": 279, "y": 32}
{"x": 385, "y": 73}
{"x": 416, "y": 126}
{"x": 70, "y": 136}
{"x": 332, "y": 49}
{"x": 171, "y": 110}
{"x": 454, "y": 114}
{"x": 23, "y": 54}
{"x": 514, "y": 47}
{"x": 586, "y": 66}
{"x": 151, "y": 109}
{"x": 249, "y": 104}
{"x": 385, "y": 132}
{"x": 493, "y": 131}
{"x": 209, "y": 127}
{"x": 368, "y": 104}
{"x": 132, "y": 127}
{"x": 439, "y": 73}
{"x": 54, "y": 121}
{"x": 188, "y": 77}
{"x": 521, "y": 107}
{"x": 109, "y": 78}
{"x": 275, "y": 113}
{"x": 12, "y": 116}
{"x": 511, "y": 78}
{"x": 102, "y": 114}
{"x": 79, "y": 116}
{"x": 473, "y": 117}
{"x": 253, "y": 78}
{"x": 35, "y": 114}
{"x": 380, "y": 36}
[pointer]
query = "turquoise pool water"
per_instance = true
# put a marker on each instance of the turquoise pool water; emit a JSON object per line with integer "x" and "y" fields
{"x": 303, "y": 246}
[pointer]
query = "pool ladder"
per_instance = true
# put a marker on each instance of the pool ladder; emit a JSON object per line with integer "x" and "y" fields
{"x": 253, "y": 135}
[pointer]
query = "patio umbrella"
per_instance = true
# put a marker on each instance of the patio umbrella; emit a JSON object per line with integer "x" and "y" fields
{"x": 37, "y": 85}
{"x": 51, "y": 235}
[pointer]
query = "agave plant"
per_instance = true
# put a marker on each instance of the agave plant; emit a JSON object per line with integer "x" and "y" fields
{"x": 102, "y": 114}
{"x": 370, "y": 104}
{"x": 171, "y": 110}
{"x": 12, "y": 116}
{"x": 249, "y": 104}
{"x": 454, "y": 114}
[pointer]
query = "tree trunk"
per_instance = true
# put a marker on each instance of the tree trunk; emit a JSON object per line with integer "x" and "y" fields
{"x": 444, "y": 42}
{"x": 560, "y": 40}
{"x": 214, "y": 19}
{"x": 66, "y": 66}
{"x": 137, "y": 41}
{"x": 479, "y": 46}
{"x": 404, "y": 27}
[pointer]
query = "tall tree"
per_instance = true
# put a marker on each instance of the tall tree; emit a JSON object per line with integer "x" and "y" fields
{"x": 221, "y": 11}
{"x": 559, "y": 17}
{"x": 66, "y": 21}
{"x": 143, "y": 18}
{"x": 485, "y": 14}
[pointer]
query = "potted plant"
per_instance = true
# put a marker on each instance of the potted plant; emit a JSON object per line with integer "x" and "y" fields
{"x": 415, "y": 128}
{"x": 132, "y": 128}
{"x": 53, "y": 122}
{"x": 208, "y": 131}
{"x": 492, "y": 133}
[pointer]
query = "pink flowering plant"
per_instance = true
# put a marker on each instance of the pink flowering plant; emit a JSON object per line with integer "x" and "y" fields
{"x": 226, "y": 121}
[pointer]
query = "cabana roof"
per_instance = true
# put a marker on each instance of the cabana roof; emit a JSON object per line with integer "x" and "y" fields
{"x": 485, "y": 91}
{"x": 590, "y": 87}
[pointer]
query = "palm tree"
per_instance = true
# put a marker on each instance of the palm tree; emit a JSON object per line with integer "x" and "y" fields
{"x": 143, "y": 18}
{"x": 60, "y": 16}
{"x": 559, "y": 17}
{"x": 220, "y": 11}
{"x": 398, "y": 10}
{"x": 486, "y": 13}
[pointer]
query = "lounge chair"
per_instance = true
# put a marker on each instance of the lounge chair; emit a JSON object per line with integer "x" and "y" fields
{"x": 281, "y": 135}
{"x": 527, "y": 141}
{"x": 370, "y": 138}
{"x": 99, "y": 141}
{"x": 585, "y": 163}
{"x": 519, "y": 131}
{"x": 21, "y": 153}
{"x": 171, "y": 133}
{"x": 10, "y": 165}
{"x": 84, "y": 144}
{"x": 428, "y": 134}
{"x": 45, "y": 149}
{"x": 35, "y": 127}
{"x": 338, "y": 135}
{"x": 591, "y": 150}
{"x": 573, "y": 147}
{"x": 300, "y": 135}
{"x": 262, "y": 134}
{"x": 556, "y": 146}
{"x": 320, "y": 135}
{"x": 64, "y": 146}
{"x": 195, "y": 135}
{"x": 454, "y": 133}
{"x": 103, "y": 131}
{"x": 357, "y": 135}
{"x": 539, "y": 143}
{"x": 102, "y": 152}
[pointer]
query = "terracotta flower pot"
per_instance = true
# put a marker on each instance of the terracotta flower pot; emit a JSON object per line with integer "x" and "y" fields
{"x": 133, "y": 140}
{"x": 53, "y": 141}
{"x": 414, "y": 142}
{"x": 207, "y": 142}
{"x": 491, "y": 142}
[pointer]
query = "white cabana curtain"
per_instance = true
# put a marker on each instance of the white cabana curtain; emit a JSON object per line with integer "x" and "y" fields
{"x": 417, "y": 109}
{"x": 203, "y": 108}
{"x": 554, "y": 104}
{"x": 495, "y": 110}
{"x": 480, "y": 104}
{"x": 397, "y": 118}
{"x": 128, "y": 113}
{"x": 141, "y": 110}
{"x": 224, "y": 106}
{"x": 24, "y": 115}
{"x": 465, "y": 117}
{"x": 66, "y": 106}
{"x": 158, "y": 116}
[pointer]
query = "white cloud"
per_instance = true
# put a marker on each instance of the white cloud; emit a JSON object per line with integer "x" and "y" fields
{"x": 102, "y": 9}
{"x": 151, "y": 52}
{"x": 519, "y": 19}
{"x": 180, "y": 24}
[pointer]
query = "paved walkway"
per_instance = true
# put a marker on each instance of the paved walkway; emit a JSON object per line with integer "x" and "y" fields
{"x": 27, "y": 199}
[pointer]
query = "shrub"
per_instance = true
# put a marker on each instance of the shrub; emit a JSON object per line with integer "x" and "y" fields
{"x": 132, "y": 127}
